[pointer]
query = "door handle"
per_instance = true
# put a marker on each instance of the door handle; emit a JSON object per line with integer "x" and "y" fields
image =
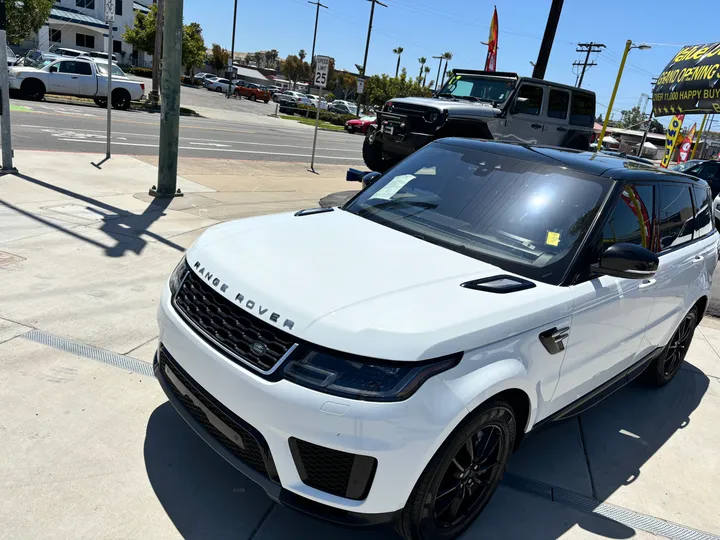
{"x": 560, "y": 128}
{"x": 647, "y": 284}
{"x": 73, "y": 77}
{"x": 697, "y": 259}
{"x": 536, "y": 126}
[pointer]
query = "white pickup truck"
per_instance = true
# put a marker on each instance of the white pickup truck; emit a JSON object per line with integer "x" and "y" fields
{"x": 76, "y": 77}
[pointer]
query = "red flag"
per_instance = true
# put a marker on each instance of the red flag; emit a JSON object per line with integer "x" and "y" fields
{"x": 491, "y": 61}
{"x": 686, "y": 145}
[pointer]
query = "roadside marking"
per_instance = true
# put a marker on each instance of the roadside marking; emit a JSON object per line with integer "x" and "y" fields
{"x": 214, "y": 149}
{"x": 210, "y": 144}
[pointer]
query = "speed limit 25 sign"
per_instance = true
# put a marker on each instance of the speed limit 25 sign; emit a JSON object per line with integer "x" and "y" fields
{"x": 322, "y": 65}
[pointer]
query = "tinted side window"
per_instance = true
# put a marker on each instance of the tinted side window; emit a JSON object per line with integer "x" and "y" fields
{"x": 676, "y": 215}
{"x": 558, "y": 104}
{"x": 67, "y": 67}
{"x": 82, "y": 68}
{"x": 703, "y": 211}
{"x": 532, "y": 97}
{"x": 631, "y": 219}
{"x": 582, "y": 109}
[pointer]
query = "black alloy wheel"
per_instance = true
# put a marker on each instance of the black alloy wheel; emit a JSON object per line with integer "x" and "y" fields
{"x": 663, "y": 369}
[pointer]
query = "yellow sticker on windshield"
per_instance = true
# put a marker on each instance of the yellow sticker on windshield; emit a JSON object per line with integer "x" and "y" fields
{"x": 552, "y": 239}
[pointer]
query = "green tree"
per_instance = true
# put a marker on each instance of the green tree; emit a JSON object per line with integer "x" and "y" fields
{"x": 26, "y": 17}
{"x": 142, "y": 35}
{"x": 631, "y": 119}
{"x": 346, "y": 83}
{"x": 219, "y": 57}
{"x": 302, "y": 55}
{"x": 398, "y": 51}
{"x": 381, "y": 88}
{"x": 656, "y": 127}
{"x": 193, "y": 47}
{"x": 422, "y": 61}
{"x": 426, "y": 70}
{"x": 295, "y": 69}
{"x": 447, "y": 57}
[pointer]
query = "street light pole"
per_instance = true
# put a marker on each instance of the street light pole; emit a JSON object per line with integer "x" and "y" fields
{"x": 628, "y": 45}
{"x": 5, "y": 128}
{"x": 232, "y": 50}
{"x": 437, "y": 79}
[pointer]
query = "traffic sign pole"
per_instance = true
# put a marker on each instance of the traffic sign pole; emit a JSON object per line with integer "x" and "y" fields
{"x": 322, "y": 65}
{"x": 109, "y": 19}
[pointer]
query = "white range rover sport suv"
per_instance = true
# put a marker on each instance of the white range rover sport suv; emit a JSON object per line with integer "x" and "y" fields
{"x": 379, "y": 362}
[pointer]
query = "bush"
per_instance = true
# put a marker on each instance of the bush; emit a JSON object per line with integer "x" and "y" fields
{"x": 326, "y": 116}
{"x": 142, "y": 72}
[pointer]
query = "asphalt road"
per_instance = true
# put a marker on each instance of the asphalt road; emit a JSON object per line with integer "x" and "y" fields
{"x": 80, "y": 128}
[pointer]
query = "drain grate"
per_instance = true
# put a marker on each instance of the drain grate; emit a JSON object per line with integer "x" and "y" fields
{"x": 629, "y": 518}
{"x": 87, "y": 351}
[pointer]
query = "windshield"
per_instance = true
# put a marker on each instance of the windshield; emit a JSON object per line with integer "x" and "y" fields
{"x": 479, "y": 88}
{"x": 116, "y": 71}
{"x": 523, "y": 216}
{"x": 686, "y": 165}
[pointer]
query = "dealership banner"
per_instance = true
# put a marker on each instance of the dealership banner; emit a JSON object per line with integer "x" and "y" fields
{"x": 671, "y": 138}
{"x": 686, "y": 145}
{"x": 690, "y": 83}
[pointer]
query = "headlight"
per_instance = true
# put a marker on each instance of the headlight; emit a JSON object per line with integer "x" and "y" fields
{"x": 177, "y": 276}
{"x": 363, "y": 378}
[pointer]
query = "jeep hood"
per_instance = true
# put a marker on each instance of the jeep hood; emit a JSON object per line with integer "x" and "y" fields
{"x": 353, "y": 285}
{"x": 455, "y": 107}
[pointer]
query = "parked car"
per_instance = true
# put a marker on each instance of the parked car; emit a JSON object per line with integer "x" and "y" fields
{"x": 344, "y": 102}
{"x": 76, "y": 77}
{"x": 218, "y": 84}
{"x": 513, "y": 286}
{"x": 709, "y": 171}
{"x": 360, "y": 125}
{"x": 64, "y": 51}
{"x": 487, "y": 105}
{"x": 289, "y": 100}
{"x": 342, "y": 108}
{"x": 274, "y": 89}
{"x": 316, "y": 101}
{"x": 102, "y": 55}
{"x": 253, "y": 92}
{"x": 682, "y": 167}
{"x": 200, "y": 78}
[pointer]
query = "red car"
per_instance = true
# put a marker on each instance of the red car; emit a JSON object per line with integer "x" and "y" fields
{"x": 360, "y": 125}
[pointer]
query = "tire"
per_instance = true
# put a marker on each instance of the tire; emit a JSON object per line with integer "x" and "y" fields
{"x": 452, "y": 472}
{"x": 252, "y": 97}
{"x": 101, "y": 102}
{"x": 218, "y": 89}
{"x": 265, "y": 101}
{"x": 33, "y": 89}
{"x": 121, "y": 99}
{"x": 663, "y": 369}
{"x": 373, "y": 154}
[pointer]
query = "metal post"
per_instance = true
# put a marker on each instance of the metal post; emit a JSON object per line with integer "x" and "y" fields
{"x": 157, "y": 55}
{"x": 702, "y": 127}
{"x": 548, "y": 38}
{"x": 232, "y": 51}
{"x": 317, "y": 123}
{"x": 5, "y": 127}
{"x": 367, "y": 44}
{"x": 644, "y": 137}
{"x": 317, "y": 16}
{"x": 628, "y": 44}
{"x": 437, "y": 79}
{"x": 170, "y": 110}
{"x": 109, "y": 87}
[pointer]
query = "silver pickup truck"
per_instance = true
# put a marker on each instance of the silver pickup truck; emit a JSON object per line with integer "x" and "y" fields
{"x": 82, "y": 77}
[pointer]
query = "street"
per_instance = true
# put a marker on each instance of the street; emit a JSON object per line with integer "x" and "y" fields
{"x": 254, "y": 136}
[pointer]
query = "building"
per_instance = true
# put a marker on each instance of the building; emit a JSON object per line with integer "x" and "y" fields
{"x": 80, "y": 24}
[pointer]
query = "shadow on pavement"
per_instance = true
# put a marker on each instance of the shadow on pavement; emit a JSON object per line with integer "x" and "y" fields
{"x": 125, "y": 228}
{"x": 206, "y": 497}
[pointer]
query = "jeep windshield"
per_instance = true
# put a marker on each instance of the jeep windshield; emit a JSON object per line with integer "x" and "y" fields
{"x": 522, "y": 215}
{"x": 478, "y": 88}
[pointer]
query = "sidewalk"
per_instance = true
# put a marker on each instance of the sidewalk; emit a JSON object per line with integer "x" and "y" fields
{"x": 93, "y": 450}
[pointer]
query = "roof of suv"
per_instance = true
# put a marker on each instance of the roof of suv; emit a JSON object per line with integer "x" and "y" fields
{"x": 525, "y": 79}
{"x": 593, "y": 163}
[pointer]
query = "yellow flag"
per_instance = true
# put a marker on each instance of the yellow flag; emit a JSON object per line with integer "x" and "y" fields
{"x": 673, "y": 132}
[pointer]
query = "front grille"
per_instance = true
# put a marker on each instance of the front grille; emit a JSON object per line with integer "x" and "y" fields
{"x": 236, "y": 435}
{"x": 228, "y": 327}
{"x": 332, "y": 471}
{"x": 410, "y": 108}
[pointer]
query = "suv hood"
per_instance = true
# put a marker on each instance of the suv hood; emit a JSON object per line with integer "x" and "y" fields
{"x": 353, "y": 285}
{"x": 455, "y": 107}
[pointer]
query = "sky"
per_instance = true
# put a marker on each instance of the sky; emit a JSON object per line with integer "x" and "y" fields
{"x": 431, "y": 27}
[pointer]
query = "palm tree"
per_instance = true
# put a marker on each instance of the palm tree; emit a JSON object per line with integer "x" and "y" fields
{"x": 426, "y": 70}
{"x": 422, "y": 61}
{"x": 447, "y": 57}
{"x": 398, "y": 51}
{"x": 302, "y": 55}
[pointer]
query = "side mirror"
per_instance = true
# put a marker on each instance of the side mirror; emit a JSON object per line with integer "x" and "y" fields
{"x": 520, "y": 106}
{"x": 355, "y": 175}
{"x": 53, "y": 69}
{"x": 370, "y": 178}
{"x": 628, "y": 261}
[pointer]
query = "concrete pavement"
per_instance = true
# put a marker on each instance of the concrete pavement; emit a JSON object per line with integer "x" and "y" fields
{"x": 93, "y": 450}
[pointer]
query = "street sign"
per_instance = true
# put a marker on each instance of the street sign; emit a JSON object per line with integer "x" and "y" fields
{"x": 110, "y": 12}
{"x": 361, "y": 86}
{"x": 322, "y": 65}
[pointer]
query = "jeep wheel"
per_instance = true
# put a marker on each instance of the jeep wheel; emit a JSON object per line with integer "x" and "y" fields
{"x": 460, "y": 479}
{"x": 373, "y": 154}
{"x": 663, "y": 369}
{"x": 33, "y": 89}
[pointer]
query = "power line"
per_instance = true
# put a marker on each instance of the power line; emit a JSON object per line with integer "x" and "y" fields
{"x": 587, "y": 48}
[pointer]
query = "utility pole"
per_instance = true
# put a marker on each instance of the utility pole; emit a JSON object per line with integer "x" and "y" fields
{"x": 5, "y": 128}
{"x": 587, "y": 48}
{"x": 437, "y": 79}
{"x": 317, "y": 16}
{"x": 157, "y": 55}
{"x": 232, "y": 51}
{"x": 170, "y": 111}
{"x": 548, "y": 38}
{"x": 367, "y": 43}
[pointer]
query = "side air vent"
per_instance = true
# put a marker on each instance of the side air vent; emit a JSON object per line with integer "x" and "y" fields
{"x": 499, "y": 284}
{"x": 311, "y": 211}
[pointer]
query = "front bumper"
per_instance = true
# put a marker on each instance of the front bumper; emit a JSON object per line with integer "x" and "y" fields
{"x": 401, "y": 436}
